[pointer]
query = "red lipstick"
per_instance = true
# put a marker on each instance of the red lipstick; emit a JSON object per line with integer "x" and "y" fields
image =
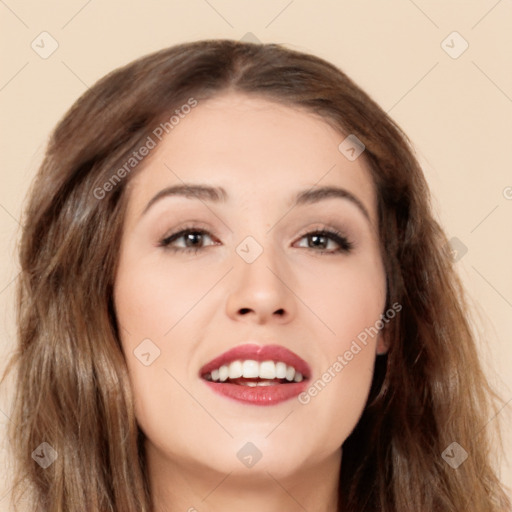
{"x": 258, "y": 389}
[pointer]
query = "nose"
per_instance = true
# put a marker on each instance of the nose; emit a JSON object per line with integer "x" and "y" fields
{"x": 261, "y": 291}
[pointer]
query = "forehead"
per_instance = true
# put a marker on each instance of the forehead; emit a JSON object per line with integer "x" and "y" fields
{"x": 255, "y": 148}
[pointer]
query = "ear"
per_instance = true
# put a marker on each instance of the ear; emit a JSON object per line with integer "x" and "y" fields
{"x": 382, "y": 344}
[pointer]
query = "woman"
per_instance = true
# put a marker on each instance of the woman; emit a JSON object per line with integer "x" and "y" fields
{"x": 234, "y": 293}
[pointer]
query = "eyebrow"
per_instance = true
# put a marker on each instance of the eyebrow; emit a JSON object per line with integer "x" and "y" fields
{"x": 219, "y": 194}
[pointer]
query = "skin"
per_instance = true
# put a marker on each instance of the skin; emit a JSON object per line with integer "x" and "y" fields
{"x": 194, "y": 306}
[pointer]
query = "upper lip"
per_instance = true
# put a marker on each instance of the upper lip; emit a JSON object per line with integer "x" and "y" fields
{"x": 258, "y": 353}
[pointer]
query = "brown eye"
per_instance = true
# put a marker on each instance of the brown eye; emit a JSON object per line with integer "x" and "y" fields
{"x": 193, "y": 240}
{"x": 320, "y": 239}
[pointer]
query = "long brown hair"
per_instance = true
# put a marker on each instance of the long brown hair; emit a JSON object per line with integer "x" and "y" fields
{"x": 72, "y": 389}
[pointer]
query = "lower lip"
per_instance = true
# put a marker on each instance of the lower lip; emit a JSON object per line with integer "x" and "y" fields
{"x": 258, "y": 395}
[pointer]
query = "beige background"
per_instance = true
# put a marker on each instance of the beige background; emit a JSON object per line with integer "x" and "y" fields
{"x": 456, "y": 111}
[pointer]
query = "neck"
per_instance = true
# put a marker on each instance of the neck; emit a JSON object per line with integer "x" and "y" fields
{"x": 195, "y": 488}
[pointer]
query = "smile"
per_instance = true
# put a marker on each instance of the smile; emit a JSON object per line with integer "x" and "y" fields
{"x": 257, "y": 375}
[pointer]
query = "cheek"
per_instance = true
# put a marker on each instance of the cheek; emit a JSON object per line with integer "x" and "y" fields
{"x": 156, "y": 306}
{"x": 349, "y": 299}
{"x": 151, "y": 295}
{"x": 150, "y": 300}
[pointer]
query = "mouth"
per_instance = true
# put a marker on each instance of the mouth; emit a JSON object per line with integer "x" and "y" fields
{"x": 258, "y": 375}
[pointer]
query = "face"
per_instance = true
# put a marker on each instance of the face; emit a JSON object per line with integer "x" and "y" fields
{"x": 248, "y": 266}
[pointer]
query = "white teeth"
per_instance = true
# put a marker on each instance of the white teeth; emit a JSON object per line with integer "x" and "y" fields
{"x": 235, "y": 370}
{"x": 223, "y": 373}
{"x": 280, "y": 370}
{"x": 254, "y": 384}
{"x": 267, "y": 370}
{"x": 250, "y": 369}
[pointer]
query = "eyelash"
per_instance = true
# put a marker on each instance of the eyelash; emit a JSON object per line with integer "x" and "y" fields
{"x": 345, "y": 245}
